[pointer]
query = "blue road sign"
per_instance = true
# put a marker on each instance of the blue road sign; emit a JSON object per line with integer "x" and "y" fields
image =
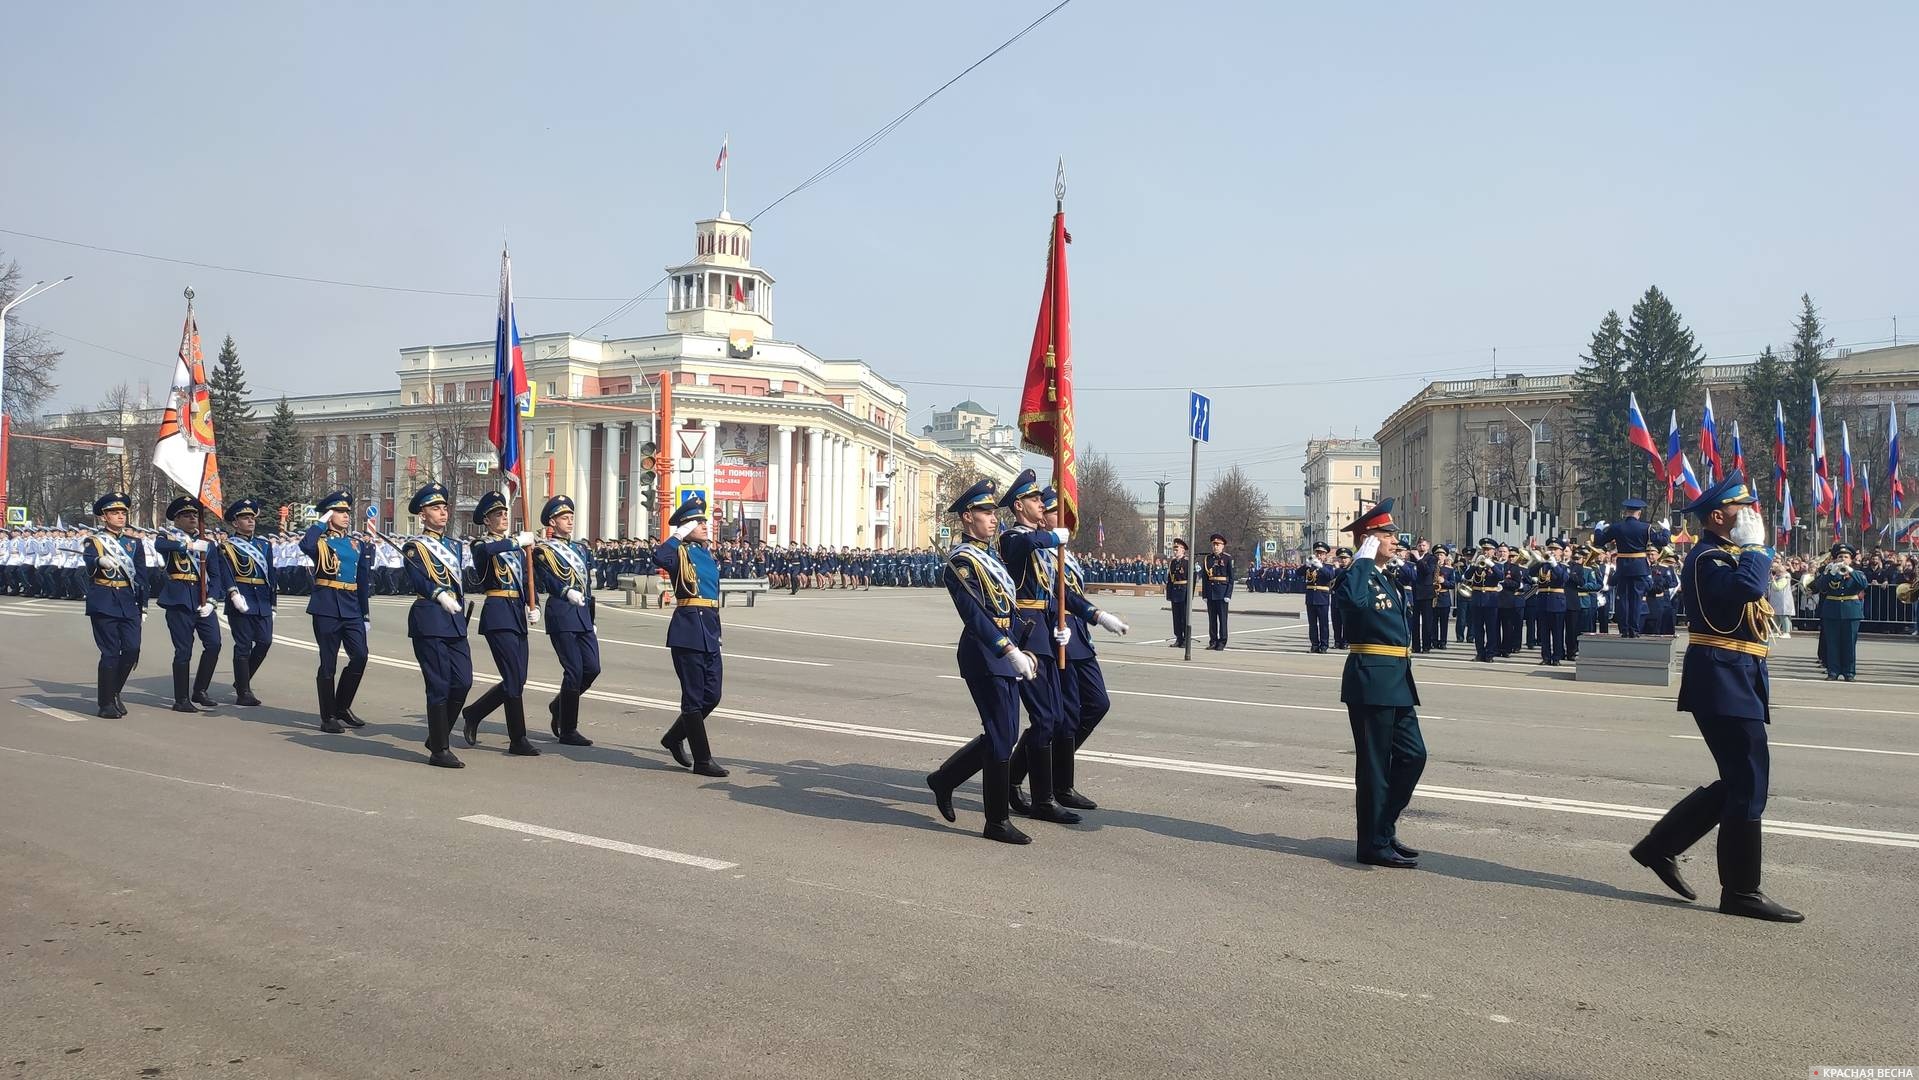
{"x": 1199, "y": 418}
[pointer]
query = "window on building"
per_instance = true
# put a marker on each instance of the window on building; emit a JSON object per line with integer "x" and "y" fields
{"x": 1542, "y": 431}
{"x": 1357, "y": 470}
{"x": 416, "y": 397}
{"x": 413, "y": 444}
{"x": 1358, "y": 494}
{"x": 1375, "y": 472}
{"x": 1496, "y": 434}
{"x": 552, "y": 437}
{"x": 1375, "y": 494}
{"x": 552, "y": 390}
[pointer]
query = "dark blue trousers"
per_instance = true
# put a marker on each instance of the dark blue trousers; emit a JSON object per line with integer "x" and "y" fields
{"x": 1631, "y": 597}
{"x": 253, "y": 636}
{"x": 447, "y": 666}
{"x": 997, "y": 698}
{"x": 510, "y": 657}
{"x": 1319, "y": 625}
{"x": 579, "y": 655}
{"x": 1389, "y": 755}
{"x": 701, "y": 674}
{"x": 1083, "y": 701}
{"x": 1041, "y": 698}
{"x": 1745, "y": 763}
{"x": 117, "y": 639}
{"x": 183, "y": 624}
{"x": 333, "y": 634}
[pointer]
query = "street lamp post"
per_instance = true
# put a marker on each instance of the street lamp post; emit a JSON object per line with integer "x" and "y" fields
{"x": 1532, "y": 463}
{"x": 6, "y": 421}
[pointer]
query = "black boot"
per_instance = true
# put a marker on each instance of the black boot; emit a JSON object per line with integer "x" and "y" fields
{"x": 703, "y": 763}
{"x": 124, "y": 672}
{"x": 953, "y": 772}
{"x": 553, "y": 714}
{"x": 1040, "y": 755}
{"x": 203, "y": 678}
{"x": 516, "y": 729}
{"x": 343, "y": 697}
{"x": 182, "y": 701}
{"x": 103, "y": 690}
{"x": 1063, "y": 792}
{"x": 1682, "y": 827}
{"x": 675, "y": 741}
{"x": 243, "y": 680}
{"x": 999, "y": 817}
{"x": 328, "y": 722}
{"x": 1739, "y": 851}
{"x": 439, "y": 731}
{"x": 479, "y": 711}
{"x": 1016, "y": 776}
{"x": 570, "y": 721}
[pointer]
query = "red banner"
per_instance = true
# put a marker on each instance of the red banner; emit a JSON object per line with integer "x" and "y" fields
{"x": 1046, "y": 405}
{"x": 739, "y": 483}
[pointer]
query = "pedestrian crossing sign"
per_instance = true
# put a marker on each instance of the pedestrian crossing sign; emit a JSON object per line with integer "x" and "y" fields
{"x": 16, "y": 517}
{"x": 685, "y": 492}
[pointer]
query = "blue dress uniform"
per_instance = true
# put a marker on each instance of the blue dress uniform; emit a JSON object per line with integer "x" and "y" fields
{"x": 1381, "y": 700}
{"x": 1024, "y": 551}
{"x": 1725, "y": 685}
{"x": 1179, "y": 594}
{"x": 187, "y": 598}
{"x": 1632, "y": 542}
{"x": 1317, "y": 579}
{"x": 1439, "y": 616}
{"x": 499, "y": 570}
{"x": 1216, "y": 585}
{"x": 246, "y": 565}
{"x": 437, "y": 626}
{"x": 338, "y": 606}
{"x": 1549, "y": 581}
{"x": 985, "y": 597}
{"x": 1485, "y": 578}
{"x": 1512, "y": 599}
{"x": 1660, "y": 582}
{"x": 1841, "y": 589}
{"x": 1581, "y": 583}
{"x": 693, "y": 635}
{"x": 563, "y": 570}
{"x": 116, "y": 602}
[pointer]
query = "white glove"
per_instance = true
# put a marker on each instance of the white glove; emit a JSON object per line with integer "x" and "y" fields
{"x": 574, "y": 597}
{"x": 1368, "y": 548}
{"x": 451, "y": 605}
{"x": 198, "y": 546}
{"x": 206, "y": 610}
{"x": 1061, "y": 635}
{"x": 1552, "y": 560}
{"x": 239, "y": 602}
{"x": 1747, "y": 529}
{"x": 525, "y": 540}
{"x": 680, "y": 532}
{"x": 1111, "y": 623}
{"x": 1063, "y": 534}
{"x": 1027, "y": 668}
{"x": 533, "y": 616}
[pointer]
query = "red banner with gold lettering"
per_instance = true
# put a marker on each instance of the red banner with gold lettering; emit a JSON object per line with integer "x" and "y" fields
{"x": 1046, "y": 404}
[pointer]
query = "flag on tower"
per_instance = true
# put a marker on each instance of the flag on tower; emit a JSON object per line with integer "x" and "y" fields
{"x": 1897, "y": 489}
{"x": 1709, "y": 444}
{"x": 720, "y": 162}
{"x": 1046, "y": 403}
{"x": 1638, "y": 434}
{"x": 512, "y": 395}
{"x": 185, "y": 449}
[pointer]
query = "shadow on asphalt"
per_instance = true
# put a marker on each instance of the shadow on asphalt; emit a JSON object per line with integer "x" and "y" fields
{"x": 841, "y": 792}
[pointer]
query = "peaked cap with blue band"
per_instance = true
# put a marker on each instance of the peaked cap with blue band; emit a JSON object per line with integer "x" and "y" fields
{"x": 334, "y": 500}
{"x": 1026, "y": 483}
{"x": 433, "y": 494}
{"x": 488, "y": 503}
{"x": 555, "y": 506}
{"x": 977, "y": 497}
{"x": 693, "y": 508}
{"x": 1731, "y": 490}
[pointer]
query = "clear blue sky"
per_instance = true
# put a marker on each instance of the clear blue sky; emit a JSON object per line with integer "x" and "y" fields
{"x": 1258, "y": 192}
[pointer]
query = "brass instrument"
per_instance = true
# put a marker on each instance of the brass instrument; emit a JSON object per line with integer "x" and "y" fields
{"x": 1907, "y": 592}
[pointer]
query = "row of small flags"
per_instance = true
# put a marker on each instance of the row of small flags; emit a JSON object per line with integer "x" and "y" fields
{"x": 1830, "y": 496}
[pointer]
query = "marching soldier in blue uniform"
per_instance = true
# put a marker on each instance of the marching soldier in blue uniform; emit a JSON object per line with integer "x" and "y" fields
{"x": 186, "y": 599}
{"x": 436, "y": 622}
{"x": 1660, "y": 583}
{"x": 694, "y": 633}
{"x": 1025, "y": 550}
{"x": 1216, "y": 584}
{"x": 246, "y": 565}
{"x": 564, "y": 571}
{"x": 1317, "y": 579}
{"x": 116, "y": 600}
{"x": 1178, "y": 592}
{"x": 1549, "y": 582}
{"x": 1379, "y": 693}
{"x": 499, "y": 569}
{"x": 1841, "y": 589}
{"x": 990, "y": 661}
{"x": 1632, "y": 541}
{"x": 341, "y": 599}
{"x": 1485, "y": 578}
{"x": 1725, "y": 685}
{"x": 1581, "y": 583}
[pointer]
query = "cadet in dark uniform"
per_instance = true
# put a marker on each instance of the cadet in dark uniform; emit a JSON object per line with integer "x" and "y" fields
{"x": 1660, "y": 583}
{"x": 1378, "y": 690}
{"x": 1632, "y": 541}
{"x": 1026, "y": 550}
{"x": 1317, "y": 579}
{"x": 1438, "y": 617}
{"x": 1216, "y": 584}
{"x": 1725, "y": 685}
{"x": 247, "y": 568}
{"x": 1178, "y": 593}
{"x": 1342, "y": 562}
{"x": 564, "y": 571}
{"x": 990, "y": 661}
{"x": 693, "y": 634}
{"x": 436, "y": 623}
{"x": 1549, "y": 585}
{"x": 1581, "y": 583}
{"x": 1512, "y": 599}
{"x": 190, "y": 584}
{"x": 1841, "y": 589}
{"x": 1484, "y": 578}
{"x": 116, "y": 600}
{"x": 499, "y": 569}
{"x": 342, "y": 573}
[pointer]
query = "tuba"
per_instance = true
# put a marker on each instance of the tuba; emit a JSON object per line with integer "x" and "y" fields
{"x": 1907, "y": 592}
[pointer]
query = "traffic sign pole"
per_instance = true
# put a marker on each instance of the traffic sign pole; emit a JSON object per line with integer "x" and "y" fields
{"x": 1199, "y": 425}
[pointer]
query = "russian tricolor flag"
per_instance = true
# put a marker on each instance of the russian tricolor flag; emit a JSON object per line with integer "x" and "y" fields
{"x": 1738, "y": 453}
{"x": 1709, "y": 443}
{"x": 1640, "y": 435}
{"x": 1674, "y": 455}
{"x": 1779, "y": 484}
{"x": 1845, "y": 461}
{"x": 1822, "y": 493}
{"x": 1892, "y": 461}
{"x": 1687, "y": 479}
{"x": 1787, "y": 518}
{"x": 512, "y": 395}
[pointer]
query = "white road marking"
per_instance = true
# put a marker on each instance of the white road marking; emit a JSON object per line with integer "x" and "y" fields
{"x": 698, "y": 861}
{"x": 42, "y": 707}
{"x": 729, "y": 655}
{"x": 20, "y": 612}
{"x": 193, "y": 783}
{"x": 1817, "y": 746}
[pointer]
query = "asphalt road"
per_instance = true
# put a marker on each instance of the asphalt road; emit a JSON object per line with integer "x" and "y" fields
{"x": 236, "y": 894}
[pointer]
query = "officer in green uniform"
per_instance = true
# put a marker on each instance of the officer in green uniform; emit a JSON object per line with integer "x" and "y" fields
{"x": 1841, "y": 589}
{"x": 1377, "y": 687}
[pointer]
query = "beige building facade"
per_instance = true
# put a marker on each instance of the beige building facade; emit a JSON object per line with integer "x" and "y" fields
{"x": 1342, "y": 477}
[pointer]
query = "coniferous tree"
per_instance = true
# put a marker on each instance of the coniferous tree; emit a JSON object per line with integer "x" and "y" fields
{"x": 280, "y": 477}
{"x": 233, "y": 423}
{"x": 1807, "y": 365}
{"x": 1765, "y": 382}
{"x": 1600, "y": 397}
{"x": 1662, "y": 367}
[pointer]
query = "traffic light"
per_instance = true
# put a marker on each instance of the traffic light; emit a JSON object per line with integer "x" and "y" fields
{"x": 649, "y": 476}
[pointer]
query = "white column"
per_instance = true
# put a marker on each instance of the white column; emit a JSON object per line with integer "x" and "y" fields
{"x": 849, "y": 492}
{"x": 815, "y": 472}
{"x": 610, "y": 483}
{"x": 778, "y": 464}
{"x": 838, "y": 529}
{"x": 823, "y": 476}
{"x": 582, "y": 477}
{"x": 633, "y": 483}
